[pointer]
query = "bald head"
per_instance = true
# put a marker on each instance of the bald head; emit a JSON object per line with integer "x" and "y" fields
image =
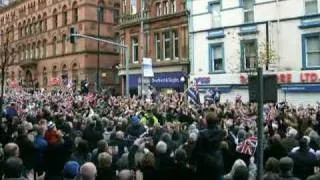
{"x": 11, "y": 150}
{"x": 125, "y": 175}
{"x": 88, "y": 171}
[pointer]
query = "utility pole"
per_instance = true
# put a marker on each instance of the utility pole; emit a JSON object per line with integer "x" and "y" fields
{"x": 99, "y": 14}
{"x": 267, "y": 45}
{"x": 260, "y": 125}
{"x": 142, "y": 43}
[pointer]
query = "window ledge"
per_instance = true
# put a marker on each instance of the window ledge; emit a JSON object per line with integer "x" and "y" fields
{"x": 310, "y": 68}
{"x": 217, "y": 72}
{"x": 309, "y": 26}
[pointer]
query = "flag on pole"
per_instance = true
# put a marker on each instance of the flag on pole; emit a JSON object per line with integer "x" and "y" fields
{"x": 193, "y": 93}
{"x": 248, "y": 146}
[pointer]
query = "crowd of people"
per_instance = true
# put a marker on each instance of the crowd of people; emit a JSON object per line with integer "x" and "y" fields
{"x": 65, "y": 135}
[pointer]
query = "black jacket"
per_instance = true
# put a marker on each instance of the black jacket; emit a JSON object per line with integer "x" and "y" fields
{"x": 209, "y": 159}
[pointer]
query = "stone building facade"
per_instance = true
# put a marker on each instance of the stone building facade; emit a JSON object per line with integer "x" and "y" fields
{"x": 164, "y": 39}
{"x": 38, "y": 32}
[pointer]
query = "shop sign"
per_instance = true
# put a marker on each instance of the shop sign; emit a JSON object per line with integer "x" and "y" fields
{"x": 291, "y": 77}
{"x": 202, "y": 80}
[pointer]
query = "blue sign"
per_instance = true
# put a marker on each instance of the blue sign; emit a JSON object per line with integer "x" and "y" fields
{"x": 160, "y": 80}
{"x": 301, "y": 88}
{"x": 202, "y": 80}
{"x": 218, "y": 33}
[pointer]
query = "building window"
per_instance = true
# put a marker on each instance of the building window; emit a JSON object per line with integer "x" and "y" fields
{"x": 216, "y": 13}
{"x": 216, "y": 60}
{"x": 40, "y": 25}
{"x": 173, "y": 6}
{"x": 75, "y": 17}
{"x": 44, "y": 77}
{"x": 249, "y": 57}
{"x": 175, "y": 42}
{"x": 166, "y": 45}
{"x": 44, "y": 22}
{"x": 22, "y": 55}
{"x": 124, "y": 6}
{"x": 311, "y": 7}
{"x": 158, "y": 9}
{"x": 64, "y": 16}
{"x": 135, "y": 50}
{"x": 158, "y": 46}
{"x": 55, "y": 19}
{"x": 63, "y": 44}
{"x": 54, "y": 46}
{"x": 75, "y": 77}
{"x": 311, "y": 51}
{"x": 37, "y": 51}
{"x": 54, "y": 71}
{"x": 166, "y": 7}
{"x": 248, "y": 7}
{"x": 44, "y": 49}
{"x": 133, "y": 8}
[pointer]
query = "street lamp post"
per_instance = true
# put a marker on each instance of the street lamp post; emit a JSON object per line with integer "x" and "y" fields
{"x": 100, "y": 8}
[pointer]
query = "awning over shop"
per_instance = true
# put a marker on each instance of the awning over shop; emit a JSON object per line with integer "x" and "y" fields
{"x": 301, "y": 88}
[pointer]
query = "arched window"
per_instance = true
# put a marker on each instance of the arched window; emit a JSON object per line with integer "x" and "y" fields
{"x": 20, "y": 30}
{"x": 44, "y": 18}
{"x": 64, "y": 74}
{"x": 39, "y": 24}
{"x": 33, "y": 53}
{"x": 27, "y": 51}
{"x": 75, "y": 77}
{"x": 22, "y": 53}
{"x": 55, "y": 18}
{"x": 38, "y": 51}
{"x": 44, "y": 77}
{"x": 54, "y": 71}
{"x": 29, "y": 27}
{"x": 64, "y": 16}
{"x": 75, "y": 12}
{"x": 54, "y": 46}
{"x": 33, "y": 26}
{"x": 44, "y": 49}
{"x": 63, "y": 44}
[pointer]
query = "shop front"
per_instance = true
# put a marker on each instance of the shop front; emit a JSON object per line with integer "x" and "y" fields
{"x": 295, "y": 87}
{"x": 164, "y": 82}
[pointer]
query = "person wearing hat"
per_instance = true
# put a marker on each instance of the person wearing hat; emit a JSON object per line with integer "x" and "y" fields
{"x": 135, "y": 128}
{"x": 52, "y": 135}
{"x": 70, "y": 170}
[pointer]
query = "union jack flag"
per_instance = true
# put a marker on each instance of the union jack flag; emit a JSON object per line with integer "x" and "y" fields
{"x": 193, "y": 93}
{"x": 248, "y": 146}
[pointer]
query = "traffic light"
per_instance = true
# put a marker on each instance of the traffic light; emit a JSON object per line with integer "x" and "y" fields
{"x": 72, "y": 37}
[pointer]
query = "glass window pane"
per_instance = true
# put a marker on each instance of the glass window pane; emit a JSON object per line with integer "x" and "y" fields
{"x": 218, "y": 65}
{"x": 217, "y": 52}
{"x": 313, "y": 59}
{"x": 248, "y": 4}
{"x": 313, "y": 44}
{"x": 311, "y": 6}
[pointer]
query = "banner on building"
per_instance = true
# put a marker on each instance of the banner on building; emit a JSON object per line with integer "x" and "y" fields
{"x": 147, "y": 67}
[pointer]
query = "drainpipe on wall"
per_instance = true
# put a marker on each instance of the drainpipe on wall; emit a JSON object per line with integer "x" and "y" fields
{"x": 189, "y": 6}
{"x": 278, "y": 34}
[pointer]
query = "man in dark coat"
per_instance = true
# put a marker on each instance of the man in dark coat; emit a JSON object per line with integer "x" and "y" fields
{"x": 207, "y": 152}
{"x": 304, "y": 161}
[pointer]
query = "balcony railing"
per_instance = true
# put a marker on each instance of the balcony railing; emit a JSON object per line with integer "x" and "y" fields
{"x": 132, "y": 18}
{"x": 28, "y": 63}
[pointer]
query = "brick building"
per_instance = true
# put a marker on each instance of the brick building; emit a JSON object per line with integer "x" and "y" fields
{"x": 38, "y": 31}
{"x": 164, "y": 39}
